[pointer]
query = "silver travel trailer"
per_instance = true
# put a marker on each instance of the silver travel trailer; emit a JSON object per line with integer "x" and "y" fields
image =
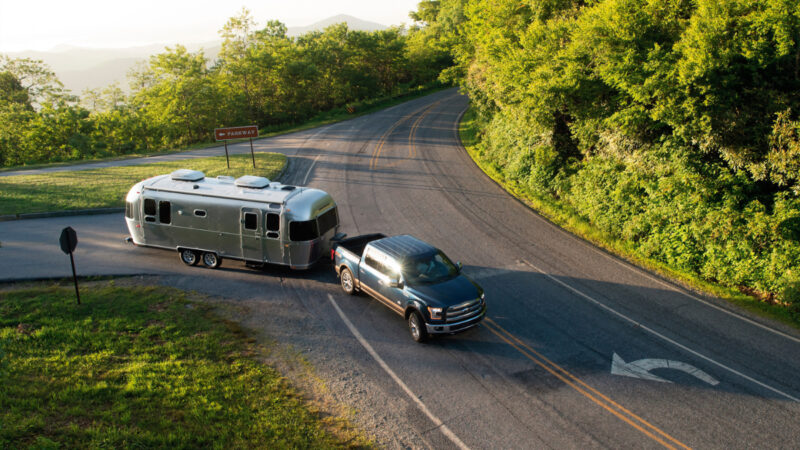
{"x": 248, "y": 218}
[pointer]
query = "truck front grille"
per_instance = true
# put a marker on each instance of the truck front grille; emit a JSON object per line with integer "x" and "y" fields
{"x": 463, "y": 311}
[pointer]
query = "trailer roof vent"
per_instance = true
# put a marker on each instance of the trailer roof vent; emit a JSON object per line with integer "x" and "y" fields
{"x": 252, "y": 182}
{"x": 187, "y": 175}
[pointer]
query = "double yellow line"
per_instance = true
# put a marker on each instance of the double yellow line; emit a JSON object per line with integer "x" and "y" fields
{"x": 587, "y": 391}
{"x": 412, "y": 151}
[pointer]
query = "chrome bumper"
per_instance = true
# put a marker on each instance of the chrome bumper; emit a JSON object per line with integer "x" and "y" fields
{"x": 447, "y": 328}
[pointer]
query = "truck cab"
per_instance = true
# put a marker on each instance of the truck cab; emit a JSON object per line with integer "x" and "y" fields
{"x": 412, "y": 278}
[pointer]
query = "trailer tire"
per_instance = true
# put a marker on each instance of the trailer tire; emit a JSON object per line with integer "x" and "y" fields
{"x": 416, "y": 325}
{"x": 211, "y": 260}
{"x": 189, "y": 256}
{"x": 347, "y": 281}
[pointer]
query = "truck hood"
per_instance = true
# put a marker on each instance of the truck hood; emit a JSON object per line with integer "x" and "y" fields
{"x": 448, "y": 293}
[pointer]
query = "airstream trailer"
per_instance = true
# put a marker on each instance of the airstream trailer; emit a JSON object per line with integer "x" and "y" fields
{"x": 248, "y": 218}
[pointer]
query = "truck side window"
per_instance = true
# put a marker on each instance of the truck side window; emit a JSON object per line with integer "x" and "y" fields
{"x": 164, "y": 212}
{"x": 273, "y": 225}
{"x": 376, "y": 264}
{"x": 303, "y": 231}
{"x": 149, "y": 207}
{"x": 250, "y": 221}
{"x": 370, "y": 261}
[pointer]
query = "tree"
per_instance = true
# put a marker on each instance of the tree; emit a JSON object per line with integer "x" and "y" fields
{"x": 180, "y": 100}
{"x": 11, "y": 91}
{"x": 36, "y": 78}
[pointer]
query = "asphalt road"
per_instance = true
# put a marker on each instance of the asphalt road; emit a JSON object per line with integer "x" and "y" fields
{"x": 538, "y": 372}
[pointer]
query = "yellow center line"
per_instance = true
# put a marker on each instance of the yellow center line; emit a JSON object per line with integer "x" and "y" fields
{"x": 412, "y": 146}
{"x": 373, "y": 163}
{"x": 578, "y": 385}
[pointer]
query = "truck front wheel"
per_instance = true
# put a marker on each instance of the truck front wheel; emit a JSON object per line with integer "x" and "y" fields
{"x": 417, "y": 327}
{"x": 348, "y": 284}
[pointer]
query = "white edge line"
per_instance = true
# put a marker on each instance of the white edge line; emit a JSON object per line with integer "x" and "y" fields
{"x": 436, "y": 421}
{"x": 659, "y": 335}
{"x": 693, "y": 297}
{"x": 308, "y": 172}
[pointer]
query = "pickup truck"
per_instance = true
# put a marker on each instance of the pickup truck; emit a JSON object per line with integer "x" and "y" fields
{"x": 412, "y": 278}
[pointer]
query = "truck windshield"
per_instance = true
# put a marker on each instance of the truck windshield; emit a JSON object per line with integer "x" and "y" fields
{"x": 429, "y": 269}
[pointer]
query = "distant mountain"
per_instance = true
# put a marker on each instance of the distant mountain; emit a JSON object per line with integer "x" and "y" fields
{"x": 82, "y": 68}
{"x": 353, "y": 23}
{"x": 95, "y": 68}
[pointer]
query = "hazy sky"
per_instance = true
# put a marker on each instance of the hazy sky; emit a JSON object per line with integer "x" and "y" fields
{"x": 42, "y": 24}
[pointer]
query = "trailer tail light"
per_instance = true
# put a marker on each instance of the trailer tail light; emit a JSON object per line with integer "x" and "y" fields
{"x": 333, "y": 254}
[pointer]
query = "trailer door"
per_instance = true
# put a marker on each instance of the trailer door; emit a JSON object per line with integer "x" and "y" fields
{"x": 273, "y": 247}
{"x": 252, "y": 249}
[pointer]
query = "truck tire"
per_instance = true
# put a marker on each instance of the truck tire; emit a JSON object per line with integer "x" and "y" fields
{"x": 189, "y": 257}
{"x": 416, "y": 325}
{"x": 211, "y": 260}
{"x": 347, "y": 281}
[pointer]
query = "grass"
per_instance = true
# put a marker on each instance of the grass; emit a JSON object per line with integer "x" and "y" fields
{"x": 140, "y": 367}
{"x": 563, "y": 216}
{"x": 357, "y": 109}
{"x": 107, "y": 187}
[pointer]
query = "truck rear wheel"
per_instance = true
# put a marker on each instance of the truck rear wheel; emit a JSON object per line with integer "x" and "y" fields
{"x": 347, "y": 281}
{"x": 189, "y": 257}
{"x": 417, "y": 327}
{"x": 211, "y": 260}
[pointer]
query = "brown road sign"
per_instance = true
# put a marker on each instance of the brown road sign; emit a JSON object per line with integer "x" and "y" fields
{"x": 224, "y": 134}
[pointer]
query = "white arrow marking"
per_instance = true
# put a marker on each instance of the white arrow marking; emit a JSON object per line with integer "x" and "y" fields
{"x": 641, "y": 369}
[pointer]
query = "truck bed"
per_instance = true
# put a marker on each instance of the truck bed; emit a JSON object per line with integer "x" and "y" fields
{"x": 357, "y": 244}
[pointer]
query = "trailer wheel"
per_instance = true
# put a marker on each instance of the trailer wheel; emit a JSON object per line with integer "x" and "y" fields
{"x": 189, "y": 257}
{"x": 417, "y": 327}
{"x": 211, "y": 260}
{"x": 348, "y": 284}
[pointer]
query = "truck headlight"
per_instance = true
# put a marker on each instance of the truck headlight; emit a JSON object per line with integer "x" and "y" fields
{"x": 436, "y": 313}
{"x": 483, "y": 298}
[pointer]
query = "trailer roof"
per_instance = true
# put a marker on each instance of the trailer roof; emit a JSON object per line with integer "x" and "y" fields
{"x": 223, "y": 187}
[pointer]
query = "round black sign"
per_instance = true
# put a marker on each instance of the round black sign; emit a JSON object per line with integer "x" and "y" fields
{"x": 68, "y": 240}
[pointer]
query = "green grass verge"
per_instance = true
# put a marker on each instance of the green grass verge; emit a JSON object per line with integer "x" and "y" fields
{"x": 140, "y": 367}
{"x": 357, "y": 109}
{"x": 107, "y": 187}
{"x": 566, "y": 218}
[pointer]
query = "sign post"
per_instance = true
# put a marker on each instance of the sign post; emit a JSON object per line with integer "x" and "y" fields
{"x": 68, "y": 241}
{"x": 226, "y": 134}
{"x": 252, "y": 154}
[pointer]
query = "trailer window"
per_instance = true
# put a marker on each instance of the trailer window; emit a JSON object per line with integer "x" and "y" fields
{"x": 273, "y": 222}
{"x": 250, "y": 221}
{"x": 164, "y": 212}
{"x": 303, "y": 231}
{"x": 327, "y": 221}
{"x": 149, "y": 207}
{"x": 129, "y": 210}
{"x": 200, "y": 212}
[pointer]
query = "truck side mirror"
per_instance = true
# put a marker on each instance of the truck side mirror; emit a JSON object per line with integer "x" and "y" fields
{"x": 395, "y": 283}
{"x": 459, "y": 266}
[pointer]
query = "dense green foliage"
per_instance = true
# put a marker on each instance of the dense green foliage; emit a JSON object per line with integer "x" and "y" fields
{"x": 139, "y": 367}
{"x": 261, "y": 76}
{"x": 672, "y": 124}
{"x": 107, "y": 187}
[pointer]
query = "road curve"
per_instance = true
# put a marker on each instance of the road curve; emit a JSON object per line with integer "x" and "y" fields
{"x": 538, "y": 372}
